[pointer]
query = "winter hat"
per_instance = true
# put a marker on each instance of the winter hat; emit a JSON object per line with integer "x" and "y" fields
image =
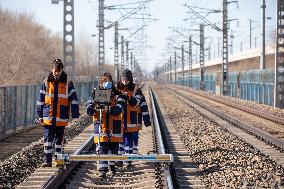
{"x": 127, "y": 75}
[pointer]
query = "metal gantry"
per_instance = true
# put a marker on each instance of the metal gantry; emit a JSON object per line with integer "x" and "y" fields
{"x": 232, "y": 43}
{"x": 279, "y": 60}
{"x": 68, "y": 38}
{"x": 250, "y": 32}
{"x": 175, "y": 67}
{"x": 262, "y": 57}
{"x": 133, "y": 68}
{"x": 116, "y": 69}
{"x": 171, "y": 78}
{"x": 190, "y": 61}
{"x": 209, "y": 51}
{"x": 225, "y": 49}
{"x": 131, "y": 60}
{"x": 201, "y": 57}
{"x": 127, "y": 56}
{"x": 122, "y": 55}
{"x": 168, "y": 70}
{"x": 182, "y": 63}
{"x": 101, "y": 37}
{"x": 218, "y": 46}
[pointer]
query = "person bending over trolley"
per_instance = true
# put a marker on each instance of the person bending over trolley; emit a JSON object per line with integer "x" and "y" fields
{"x": 106, "y": 107}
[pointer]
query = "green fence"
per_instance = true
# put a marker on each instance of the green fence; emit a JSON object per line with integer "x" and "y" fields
{"x": 18, "y": 104}
{"x": 254, "y": 85}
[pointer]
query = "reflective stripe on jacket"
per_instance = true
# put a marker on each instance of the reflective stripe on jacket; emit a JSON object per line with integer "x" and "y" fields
{"x": 54, "y": 103}
{"x": 143, "y": 112}
{"x": 111, "y": 128}
{"x": 130, "y": 113}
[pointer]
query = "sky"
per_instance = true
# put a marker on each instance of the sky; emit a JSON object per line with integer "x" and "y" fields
{"x": 169, "y": 13}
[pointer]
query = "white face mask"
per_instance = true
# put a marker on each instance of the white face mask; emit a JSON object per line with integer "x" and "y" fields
{"x": 107, "y": 85}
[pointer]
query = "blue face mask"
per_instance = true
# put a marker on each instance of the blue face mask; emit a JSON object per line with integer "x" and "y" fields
{"x": 107, "y": 85}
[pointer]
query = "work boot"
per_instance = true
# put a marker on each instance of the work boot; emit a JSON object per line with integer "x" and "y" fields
{"x": 102, "y": 174}
{"x": 113, "y": 170}
{"x": 47, "y": 165}
{"x": 128, "y": 165}
{"x": 118, "y": 164}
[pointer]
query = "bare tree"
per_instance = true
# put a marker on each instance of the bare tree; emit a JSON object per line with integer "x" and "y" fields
{"x": 26, "y": 49}
{"x": 87, "y": 57}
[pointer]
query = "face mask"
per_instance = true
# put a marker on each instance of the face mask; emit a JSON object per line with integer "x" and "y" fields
{"x": 107, "y": 85}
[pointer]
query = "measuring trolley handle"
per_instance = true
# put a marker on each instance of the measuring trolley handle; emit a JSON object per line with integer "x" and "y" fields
{"x": 102, "y": 98}
{"x": 65, "y": 159}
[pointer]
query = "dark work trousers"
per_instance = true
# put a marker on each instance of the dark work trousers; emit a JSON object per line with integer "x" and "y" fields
{"x": 135, "y": 142}
{"x": 120, "y": 152}
{"x": 128, "y": 143}
{"x": 53, "y": 135}
{"x": 105, "y": 148}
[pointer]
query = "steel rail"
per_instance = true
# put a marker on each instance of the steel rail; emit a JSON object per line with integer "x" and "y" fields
{"x": 160, "y": 140}
{"x": 56, "y": 180}
{"x": 268, "y": 116}
{"x": 251, "y": 129}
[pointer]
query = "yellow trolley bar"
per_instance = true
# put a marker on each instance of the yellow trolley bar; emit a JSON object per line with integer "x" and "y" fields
{"x": 129, "y": 157}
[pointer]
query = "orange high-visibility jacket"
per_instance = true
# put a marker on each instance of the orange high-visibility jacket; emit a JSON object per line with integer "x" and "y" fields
{"x": 111, "y": 127}
{"x": 130, "y": 116}
{"x": 55, "y": 101}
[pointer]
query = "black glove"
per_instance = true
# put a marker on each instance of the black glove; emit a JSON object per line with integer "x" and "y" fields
{"x": 90, "y": 109}
{"x": 125, "y": 97}
{"x": 112, "y": 111}
{"x": 132, "y": 101}
{"x": 147, "y": 124}
{"x": 138, "y": 92}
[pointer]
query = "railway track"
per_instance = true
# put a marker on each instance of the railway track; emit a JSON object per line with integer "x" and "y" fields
{"x": 16, "y": 141}
{"x": 259, "y": 113}
{"x": 51, "y": 177}
{"x": 181, "y": 174}
{"x": 26, "y": 153}
{"x": 270, "y": 144}
{"x": 184, "y": 173}
{"x": 261, "y": 124}
{"x": 141, "y": 175}
{"x": 226, "y": 156}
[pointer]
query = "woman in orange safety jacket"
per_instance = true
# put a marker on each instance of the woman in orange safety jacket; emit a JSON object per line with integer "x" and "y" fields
{"x": 57, "y": 96}
{"x": 130, "y": 115}
{"x": 109, "y": 134}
